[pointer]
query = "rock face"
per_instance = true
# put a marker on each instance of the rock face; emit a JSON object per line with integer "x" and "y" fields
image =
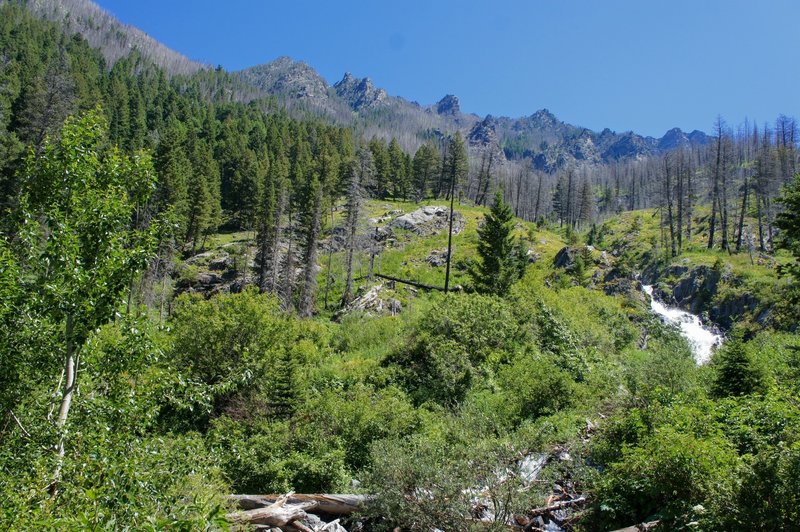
{"x": 290, "y": 79}
{"x": 697, "y": 290}
{"x": 448, "y": 106}
{"x": 359, "y": 93}
{"x": 568, "y": 256}
{"x": 428, "y": 220}
{"x": 484, "y": 146}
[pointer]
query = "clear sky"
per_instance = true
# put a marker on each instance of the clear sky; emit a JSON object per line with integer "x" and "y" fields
{"x": 642, "y": 65}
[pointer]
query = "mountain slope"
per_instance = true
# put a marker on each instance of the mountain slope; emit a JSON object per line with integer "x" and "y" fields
{"x": 113, "y": 38}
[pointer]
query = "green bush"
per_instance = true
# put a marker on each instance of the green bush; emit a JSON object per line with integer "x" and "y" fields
{"x": 668, "y": 476}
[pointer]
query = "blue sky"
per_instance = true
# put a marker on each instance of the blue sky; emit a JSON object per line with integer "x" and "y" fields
{"x": 636, "y": 65}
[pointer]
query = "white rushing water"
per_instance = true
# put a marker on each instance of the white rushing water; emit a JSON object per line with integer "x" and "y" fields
{"x": 701, "y": 339}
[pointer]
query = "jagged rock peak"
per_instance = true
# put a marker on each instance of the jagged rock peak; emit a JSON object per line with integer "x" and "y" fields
{"x": 672, "y": 139}
{"x": 449, "y": 105}
{"x": 544, "y": 117}
{"x": 359, "y": 93}
{"x": 484, "y": 132}
{"x": 287, "y": 77}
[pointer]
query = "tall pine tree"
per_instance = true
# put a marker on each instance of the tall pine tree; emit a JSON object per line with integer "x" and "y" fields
{"x": 501, "y": 260}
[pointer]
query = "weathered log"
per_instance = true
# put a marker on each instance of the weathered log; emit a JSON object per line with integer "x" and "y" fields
{"x": 329, "y": 504}
{"x": 280, "y": 513}
{"x": 650, "y": 525}
{"x": 560, "y": 505}
{"x": 410, "y": 283}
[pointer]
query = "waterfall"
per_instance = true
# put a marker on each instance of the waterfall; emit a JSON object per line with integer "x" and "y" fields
{"x": 701, "y": 339}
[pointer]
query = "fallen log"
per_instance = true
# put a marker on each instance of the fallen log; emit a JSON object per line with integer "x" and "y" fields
{"x": 650, "y": 525}
{"x": 410, "y": 283}
{"x": 560, "y": 505}
{"x": 280, "y": 513}
{"x": 339, "y": 504}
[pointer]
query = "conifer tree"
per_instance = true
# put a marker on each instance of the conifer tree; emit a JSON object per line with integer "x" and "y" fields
{"x": 425, "y": 169}
{"x": 174, "y": 172}
{"x": 312, "y": 222}
{"x": 737, "y": 373}
{"x": 381, "y": 179}
{"x": 399, "y": 178}
{"x": 560, "y": 200}
{"x": 501, "y": 261}
{"x": 586, "y": 206}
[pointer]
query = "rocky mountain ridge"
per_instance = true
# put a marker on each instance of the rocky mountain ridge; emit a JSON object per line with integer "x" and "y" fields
{"x": 541, "y": 139}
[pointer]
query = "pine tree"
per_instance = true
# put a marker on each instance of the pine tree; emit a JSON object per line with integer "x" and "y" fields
{"x": 312, "y": 222}
{"x": 788, "y": 222}
{"x": 380, "y": 155}
{"x": 737, "y": 373}
{"x": 587, "y": 203}
{"x": 174, "y": 172}
{"x": 425, "y": 169}
{"x": 399, "y": 179}
{"x": 560, "y": 200}
{"x": 501, "y": 261}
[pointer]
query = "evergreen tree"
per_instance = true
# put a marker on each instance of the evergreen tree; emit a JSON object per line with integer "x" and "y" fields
{"x": 560, "y": 200}
{"x": 381, "y": 179}
{"x": 586, "y": 207}
{"x": 399, "y": 177}
{"x": 203, "y": 203}
{"x": 457, "y": 167}
{"x": 425, "y": 169}
{"x": 311, "y": 229}
{"x": 736, "y": 372}
{"x": 174, "y": 172}
{"x": 501, "y": 261}
{"x": 457, "y": 163}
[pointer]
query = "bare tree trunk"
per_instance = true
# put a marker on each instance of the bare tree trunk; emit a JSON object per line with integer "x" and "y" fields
{"x": 715, "y": 192}
{"x": 679, "y": 192}
{"x": 450, "y": 235}
{"x": 70, "y": 377}
{"x": 742, "y": 213}
{"x": 668, "y": 192}
{"x": 329, "y": 274}
{"x": 288, "y": 272}
{"x": 308, "y": 296}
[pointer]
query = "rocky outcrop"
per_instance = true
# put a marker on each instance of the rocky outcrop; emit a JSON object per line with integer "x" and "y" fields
{"x": 428, "y": 220}
{"x": 448, "y": 106}
{"x": 376, "y": 299}
{"x": 699, "y": 290}
{"x": 359, "y": 93}
{"x": 290, "y": 79}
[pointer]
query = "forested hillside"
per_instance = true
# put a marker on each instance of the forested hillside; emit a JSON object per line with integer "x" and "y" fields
{"x": 212, "y": 296}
